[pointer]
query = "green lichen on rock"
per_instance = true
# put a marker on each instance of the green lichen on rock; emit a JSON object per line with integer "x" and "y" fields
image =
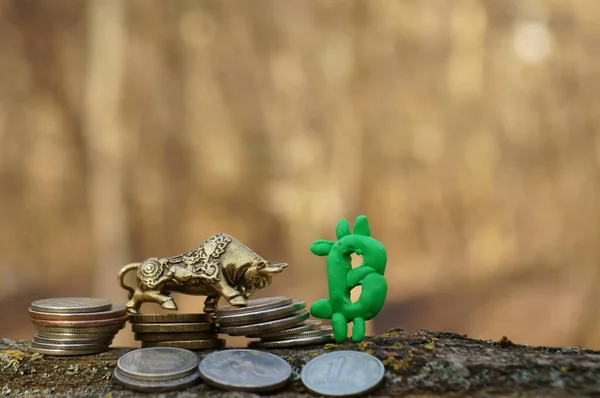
{"x": 456, "y": 366}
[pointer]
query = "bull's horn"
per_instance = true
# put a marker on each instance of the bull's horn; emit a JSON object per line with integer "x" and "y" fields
{"x": 279, "y": 265}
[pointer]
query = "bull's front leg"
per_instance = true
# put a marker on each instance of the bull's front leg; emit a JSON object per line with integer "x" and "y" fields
{"x": 232, "y": 296}
{"x": 210, "y": 304}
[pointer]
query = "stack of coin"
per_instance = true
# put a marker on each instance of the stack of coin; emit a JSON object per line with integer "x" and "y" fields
{"x": 75, "y": 325}
{"x": 157, "y": 369}
{"x": 279, "y": 322}
{"x": 188, "y": 331}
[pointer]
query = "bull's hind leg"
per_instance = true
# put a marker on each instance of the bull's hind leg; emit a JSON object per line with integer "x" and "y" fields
{"x": 210, "y": 304}
{"x": 133, "y": 305}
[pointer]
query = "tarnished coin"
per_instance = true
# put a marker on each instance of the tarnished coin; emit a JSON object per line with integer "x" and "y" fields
{"x": 59, "y": 352}
{"x": 187, "y": 344}
{"x": 117, "y": 311}
{"x": 79, "y": 324}
{"x": 102, "y": 341}
{"x": 310, "y": 324}
{"x": 260, "y": 315}
{"x": 158, "y": 385}
{"x": 294, "y": 342}
{"x": 80, "y": 330}
{"x": 175, "y": 336}
{"x": 170, "y": 318}
{"x": 159, "y": 363}
{"x": 266, "y": 327}
{"x": 245, "y": 370}
{"x": 326, "y": 330}
{"x": 260, "y": 304}
{"x": 342, "y": 373}
{"x": 71, "y": 305}
{"x": 171, "y": 327}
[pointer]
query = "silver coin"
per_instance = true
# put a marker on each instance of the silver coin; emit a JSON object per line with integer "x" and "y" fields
{"x": 80, "y": 330}
{"x": 245, "y": 370}
{"x": 63, "y": 352}
{"x": 76, "y": 336}
{"x": 308, "y": 325}
{"x": 342, "y": 373}
{"x": 50, "y": 343}
{"x": 158, "y": 363}
{"x": 71, "y": 305}
{"x": 266, "y": 327}
{"x": 261, "y": 315}
{"x": 260, "y": 304}
{"x": 327, "y": 330}
{"x": 295, "y": 342}
{"x": 156, "y": 385}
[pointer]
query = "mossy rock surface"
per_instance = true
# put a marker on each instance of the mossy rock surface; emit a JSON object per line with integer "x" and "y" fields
{"x": 418, "y": 364}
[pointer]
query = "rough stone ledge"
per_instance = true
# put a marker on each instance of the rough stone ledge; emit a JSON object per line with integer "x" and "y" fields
{"x": 418, "y": 364}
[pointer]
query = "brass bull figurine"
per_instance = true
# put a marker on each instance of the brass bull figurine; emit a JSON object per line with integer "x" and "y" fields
{"x": 220, "y": 266}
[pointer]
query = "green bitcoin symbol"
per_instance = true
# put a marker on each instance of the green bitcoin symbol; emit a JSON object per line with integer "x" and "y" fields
{"x": 342, "y": 278}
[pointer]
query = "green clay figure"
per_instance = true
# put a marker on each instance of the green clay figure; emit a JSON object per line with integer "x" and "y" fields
{"x": 342, "y": 278}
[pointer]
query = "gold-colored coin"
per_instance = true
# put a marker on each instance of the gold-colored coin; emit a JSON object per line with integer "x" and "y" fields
{"x": 175, "y": 336}
{"x": 171, "y": 327}
{"x": 187, "y": 344}
{"x": 170, "y": 318}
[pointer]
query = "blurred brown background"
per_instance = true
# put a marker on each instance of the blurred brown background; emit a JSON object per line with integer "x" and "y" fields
{"x": 467, "y": 130}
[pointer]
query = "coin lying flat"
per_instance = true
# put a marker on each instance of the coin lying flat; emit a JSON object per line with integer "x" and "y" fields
{"x": 265, "y": 327}
{"x": 117, "y": 311}
{"x": 79, "y": 324}
{"x": 60, "y": 352}
{"x": 260, "y": 304}
{"x": 175, "y": 336}
{"x": 170, "y": 318}
{"x": 187, "y": 344}
{"x": 156, "y": 386}
{"x": 171, "y": 327}
{"x": 325, "y": 331}
{"x": 342, "y": 373}
{"x": 96, "y": 341}
{"x": 293, "y": 342}
{"x": 76, "y": 336}
{"x": 71, "y": 305}
{"x": 80, "y": 330}
{"x": 160, "y": 363}
{"x": 260, "y": 315}
{"x": 308, "y": 325}
{"x": 67, "y": 346}
{"x": 245, "y": 370}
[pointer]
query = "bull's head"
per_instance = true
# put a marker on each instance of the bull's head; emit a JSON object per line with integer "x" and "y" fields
{"x": 245, "y": 270}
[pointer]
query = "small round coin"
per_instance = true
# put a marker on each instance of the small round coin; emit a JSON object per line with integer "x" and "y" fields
{"x": 309, "y": 333}
{"x": 171, "y": 327}
{"x": 261, "y": 315}
{"x": 308, "y": 325}
{"x": 97, "y": 341}
{"x": 187, "y": 344}
{"x": 265, "y": 327}
{"x": 117, "y": 311}
{"x": 67, "y": 346}
{"x": 245, "y": 370}
{"x": 158, "y": 363}
{"x": 294, "y": 342}
{"x": 79, "y": 324}
{"x": 260, "y": 304}
{"x": 156, "y": 385}
{"x": 59, "y": 352}
{"x": 170, "y": 318}
{"x": 80, "y": 330}
{"x": 175, "y": 336}
{"x": 76, "y": 336}
{"x": 342, "y": 373}
{"x": 71, "y": 305}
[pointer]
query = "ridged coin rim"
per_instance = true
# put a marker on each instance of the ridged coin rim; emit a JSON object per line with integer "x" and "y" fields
{"x": 262, "y": 315}
{"x": 254, "y": 305}
{"x": 156, "y": 386}
{"x": 161, "y": 376}
{"x": 270, "y": 326}
{"x": 88, "y": 304}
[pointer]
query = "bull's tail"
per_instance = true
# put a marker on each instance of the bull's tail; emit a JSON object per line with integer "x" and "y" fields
{"x": 122, "y": 273}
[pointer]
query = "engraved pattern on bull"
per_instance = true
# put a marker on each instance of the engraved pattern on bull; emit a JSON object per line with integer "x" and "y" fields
{"x": 220, "y": 266}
